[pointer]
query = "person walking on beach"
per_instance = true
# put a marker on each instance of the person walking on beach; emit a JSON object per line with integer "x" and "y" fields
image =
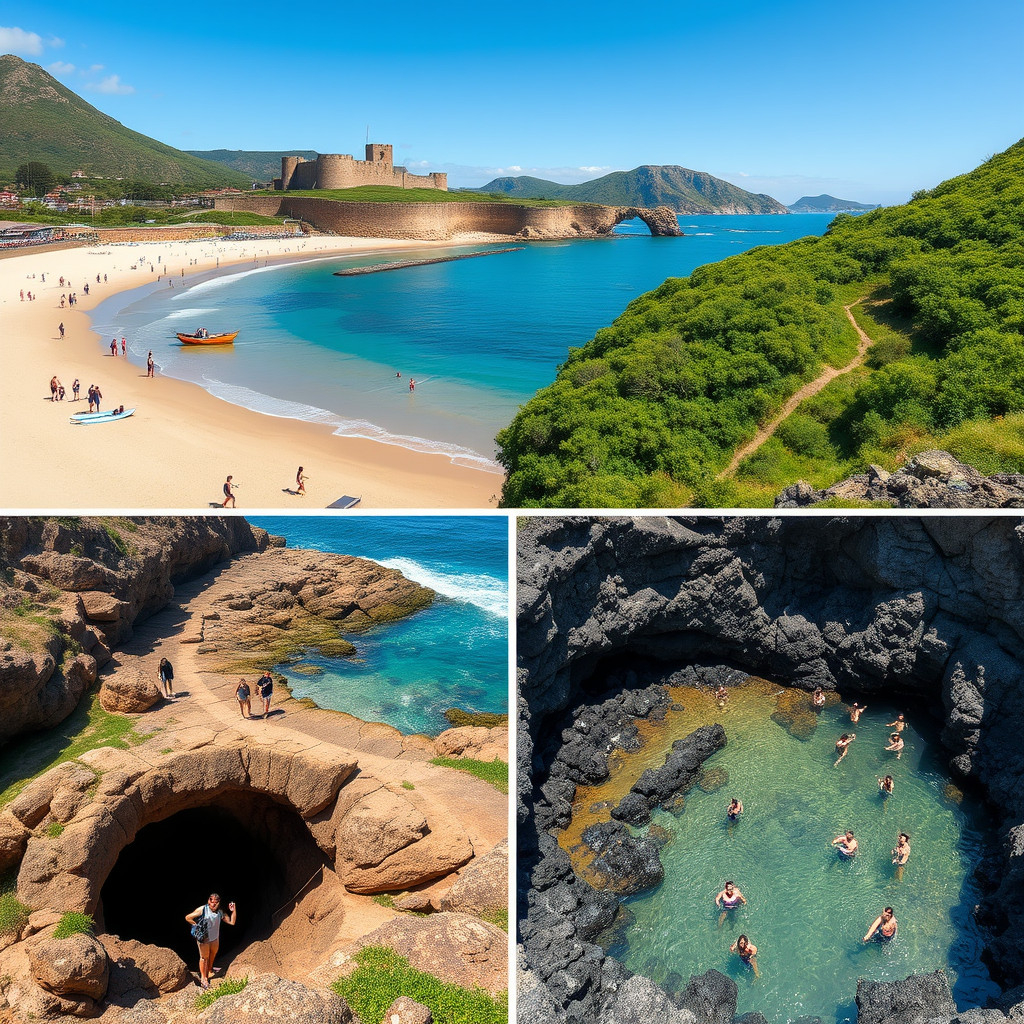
{"x": 124, "y": 346}
{"x": 229, "y": 493}
{"x": 149, "y": 364}
{"x": 205, "y": 921}
{"x": 96, "y": 395}
{"x": 883, "y": 927}
{"x": 266, "y": 685}
{"x": 74, "y": 389}
{"x": 92, "y": 396}
{"x": 412, "y": 384}
{"x": 846, "y": 844}
{"x": 843, "y": 746}
{"x": 747, "y": 952}
{"x": 53, "y": 388}
{"x": 167, "y": 678}
{"x": 60, "y": 327}
{"x": 113, "y": 347}
{"x": 243, "y": 693}
{"x": 300, "y": 482}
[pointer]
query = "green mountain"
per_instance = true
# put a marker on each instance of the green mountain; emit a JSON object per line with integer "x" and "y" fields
{"x": 256, "y": 165}
{"x": 651, "y": 411}
{"x": 43, "y": 120}
{"x": 679, "y": 188}
{"x": 828, "y": 204}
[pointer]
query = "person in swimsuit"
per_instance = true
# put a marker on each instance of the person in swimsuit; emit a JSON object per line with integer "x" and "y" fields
{"x": 885, "y": 786}
{"x": 243, "y": 693}
{"x": 721, "y": 696}
{"x": 167, "y": 678}
{"x": 747, "y": 952}
{"x": 229, "y": 494}
{"x": 843, "y": 746}
{"x": 818, "y": 698}
{"x": 901, "y": 854}
{"x": 883, "y": 927}
{"x": 149, "y": 364}
{"x": 728, "y": 899}
{"x": 734, "y": 810}
{"x": 847, "y": 844}
{"x": 899, "y": 725}
{"x": 300, "y": 482}
{"x": 213, "y": 915}
{"x": 896, "y": 744}
{"x": 856, "y": 711}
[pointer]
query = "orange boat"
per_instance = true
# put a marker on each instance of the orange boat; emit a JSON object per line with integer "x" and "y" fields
{"x": 204, "y": 337}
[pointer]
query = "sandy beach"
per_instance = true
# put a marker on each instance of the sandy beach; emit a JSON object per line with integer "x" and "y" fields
{"x": 182, "y": 442}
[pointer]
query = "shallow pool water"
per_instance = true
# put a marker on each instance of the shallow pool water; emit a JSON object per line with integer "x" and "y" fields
{"x": 808, "y": 908}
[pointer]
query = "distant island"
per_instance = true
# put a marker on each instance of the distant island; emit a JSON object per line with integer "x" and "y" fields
{"x": 679, "y": 188}
{"x": 828, "y": 204}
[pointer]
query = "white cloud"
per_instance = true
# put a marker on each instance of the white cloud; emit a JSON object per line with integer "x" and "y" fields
{"x": 112, "y": 85}
{"x": 55, "y": 41}
{"x": 61, "y": 67}
{"x": 17, "y": 40}
{"x": 96, "y": 67}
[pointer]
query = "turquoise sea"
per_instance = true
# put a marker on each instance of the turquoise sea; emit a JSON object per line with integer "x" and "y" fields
{"x": 479, "y": 336}
{"x": 453, "y": 654}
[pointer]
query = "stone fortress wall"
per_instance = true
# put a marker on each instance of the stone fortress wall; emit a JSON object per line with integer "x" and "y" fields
{"x": 339, "y": 170}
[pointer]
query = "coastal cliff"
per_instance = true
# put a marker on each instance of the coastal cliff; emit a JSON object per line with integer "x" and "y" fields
{"x": 926, "y": 610}
{"x": 441, "y": 221}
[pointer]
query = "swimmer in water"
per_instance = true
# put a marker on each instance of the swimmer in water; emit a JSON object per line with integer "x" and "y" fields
{"x": 885, "y": 786}
{"x": 856, "y": 711}
{"x": 899, "y": 725}
{"x": 818, "y": 698}
{"x": 883, "y": 927}
{"x": 896, "y": 745}
{"x": 728, "y": 899}
{"x": 846, "y": 844}
{"x": 721, "y": 696}
{"x": 901, "y": 854}
{"x": 843, "y": 746}
{"x": 747, "y": 952}
{"x": 734, "y": 810}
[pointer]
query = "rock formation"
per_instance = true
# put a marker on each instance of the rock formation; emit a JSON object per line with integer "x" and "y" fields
{"x": 932, "y": 479}
{"x": 927, "y": 610}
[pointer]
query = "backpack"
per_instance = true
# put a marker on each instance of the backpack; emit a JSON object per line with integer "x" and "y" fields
{"x": 200, "y": 928}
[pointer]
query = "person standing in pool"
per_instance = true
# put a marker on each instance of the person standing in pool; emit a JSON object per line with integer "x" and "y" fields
{"x": 901, "y": 854}
{"x": 728, "y": 899}
{"x": 211, "y": 915}
{"x": 843, "y": 746}
{"x": 818, "y": 698}
{"x": 896, "y": 745}
{"x": 747, "y": 952}
{"x": 856, "y": 711}
{"x": 846, "y": 844}
{"x": 899, "y": 725}
{"x": 734, "y": 810}
{"x": 885, "y": 786}
{"x": 884, "y": 927}
{"x": 721, "y": 696}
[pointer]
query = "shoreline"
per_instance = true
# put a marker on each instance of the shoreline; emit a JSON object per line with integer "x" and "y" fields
{"x": 149, "y": 461}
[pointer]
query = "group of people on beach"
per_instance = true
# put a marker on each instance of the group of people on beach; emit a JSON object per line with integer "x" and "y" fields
{"x": 264, "y": 688}
{"x": 885, "y": 926}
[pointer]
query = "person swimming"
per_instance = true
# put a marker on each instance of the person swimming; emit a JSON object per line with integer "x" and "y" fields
{"x": 721, "y": 695}
{"x": 901, "y": 854}
{"x": 884, "y": 927}
{"x": 899, "y": 725}
{"x": 747, "y": 952}
{"x": 818, "y": 697}
{"x": 896, "y": 745}
{"x": 885, "y": 786}
{"x": 734, "y": 810}
{"x": 856, "y": 711}
{"x": 728, "y": 899}
{"x": 846, "y": 844}
{"x": 843, "y": 746}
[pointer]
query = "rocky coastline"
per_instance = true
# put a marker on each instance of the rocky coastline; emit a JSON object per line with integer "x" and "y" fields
{"x": 926, "y": 610}
{"x": 360, "y": 839}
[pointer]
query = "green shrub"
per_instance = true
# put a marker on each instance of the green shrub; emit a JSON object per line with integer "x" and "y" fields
{"x": 72, "y": 923}
{"x": 494, "y": 772}
{"x": 228, "y": 987}
{"x": 382, "y": 976}
{"x": 13, "y": 913}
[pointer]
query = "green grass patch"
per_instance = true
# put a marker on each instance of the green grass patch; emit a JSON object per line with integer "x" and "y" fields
{"x": 407, "y": 785}
{"x": 228, "y": 987}
{"x": 486, "y": 719}
{"x": 13, "y": 913}
{"x": 382, "y": 976}
{"x": 498, "y": 918}
{"x": 990, "y": 446}
{"x": 86, "y": 728}
{"x": 72, "y": 923}
{"x": 382, "y": 899}
{"x": 54, "y": 829}
{"x": 494, "y": 772}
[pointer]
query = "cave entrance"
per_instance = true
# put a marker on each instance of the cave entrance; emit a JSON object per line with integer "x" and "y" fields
{"x": 244, "y": 846}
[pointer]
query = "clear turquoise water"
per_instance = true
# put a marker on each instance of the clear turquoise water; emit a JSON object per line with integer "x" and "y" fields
{"x": 479, "y": 336}
{"x": 809, "y": 910}
{"x": 452, "y": 654}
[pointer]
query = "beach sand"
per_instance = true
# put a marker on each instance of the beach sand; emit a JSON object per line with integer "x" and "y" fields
{"x": 182, "y": 442}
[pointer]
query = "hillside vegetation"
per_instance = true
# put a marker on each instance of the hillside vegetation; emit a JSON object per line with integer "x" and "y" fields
{"x": 259, "y": 164}
{"x": 396, "y": 194}
{"x": 679, "y": 188}
{"x": 650, "y": 411}
{"x": 44, "y": 121}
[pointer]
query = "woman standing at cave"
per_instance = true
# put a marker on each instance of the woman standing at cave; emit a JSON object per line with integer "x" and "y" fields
{"x": 205, "y": 921}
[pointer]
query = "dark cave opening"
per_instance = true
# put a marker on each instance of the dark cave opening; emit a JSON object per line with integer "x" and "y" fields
{"x": 244, "y": 846}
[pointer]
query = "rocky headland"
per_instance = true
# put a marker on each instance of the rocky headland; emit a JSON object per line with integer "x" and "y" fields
{"x": 349, "y": 835}
{"x": 927, "y": 611}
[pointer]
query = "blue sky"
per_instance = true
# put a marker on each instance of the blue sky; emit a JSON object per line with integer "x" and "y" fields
{"x": 866, "y": 102}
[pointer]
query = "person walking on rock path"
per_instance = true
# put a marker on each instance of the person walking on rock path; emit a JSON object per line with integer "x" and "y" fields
{"x": 167, "y": 678}
{"x": 243, "y": 693}
{"x": 205, "y": 921}
{"x": 266, "y": 685}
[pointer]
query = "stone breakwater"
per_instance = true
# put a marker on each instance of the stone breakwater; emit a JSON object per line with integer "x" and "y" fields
{"x": 926, "y": 610}
{"x": 443, "y": 221}
{"x": 73, "y": 589}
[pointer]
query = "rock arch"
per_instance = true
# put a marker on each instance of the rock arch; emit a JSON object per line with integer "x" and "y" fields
{"x": 660, "y": 219}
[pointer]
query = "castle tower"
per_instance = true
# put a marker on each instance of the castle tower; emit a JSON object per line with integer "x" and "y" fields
{"x": 288, "y": 165}
{"x": 379, "y": 153}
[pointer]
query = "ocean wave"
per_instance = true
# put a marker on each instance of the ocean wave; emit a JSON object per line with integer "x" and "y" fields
{"x": 282, "y": 408}
{"x": 486, "y": 592}
{"x": 192, "y": 311}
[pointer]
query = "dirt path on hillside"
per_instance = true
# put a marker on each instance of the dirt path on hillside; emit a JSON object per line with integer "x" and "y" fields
{"x": 829, "y": 374}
